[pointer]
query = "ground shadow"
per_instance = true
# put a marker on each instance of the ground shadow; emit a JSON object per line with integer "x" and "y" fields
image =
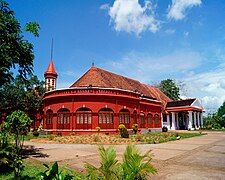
{"x": 31, "y": 151}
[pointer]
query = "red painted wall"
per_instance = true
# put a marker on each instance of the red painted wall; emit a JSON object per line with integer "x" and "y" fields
{"x": 73, "y": 100}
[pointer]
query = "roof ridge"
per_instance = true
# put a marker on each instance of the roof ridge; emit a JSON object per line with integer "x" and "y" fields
{"x": 118, "y": 75}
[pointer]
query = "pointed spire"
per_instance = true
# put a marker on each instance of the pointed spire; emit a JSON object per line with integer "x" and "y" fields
{"x": 51, "y": 69}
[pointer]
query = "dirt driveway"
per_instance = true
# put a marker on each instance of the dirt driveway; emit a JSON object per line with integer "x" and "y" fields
{"x": 194, "y": 158}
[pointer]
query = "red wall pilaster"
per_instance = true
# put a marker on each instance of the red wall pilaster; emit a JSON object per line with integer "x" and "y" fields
{"x": 94, "y": 120}
{"x": 54, "y": 121}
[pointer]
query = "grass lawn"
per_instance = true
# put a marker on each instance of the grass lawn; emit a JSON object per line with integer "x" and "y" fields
{"x": 147, "y": 138}
{"x": 214, "y": 130}
{"x": 31, "y": 170}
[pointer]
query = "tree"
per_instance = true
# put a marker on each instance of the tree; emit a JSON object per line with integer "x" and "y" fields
{"x": 22, "y": 94}
{"x": 221, "y": 110}
{"x": 15, "y": 52}
{"x": 17, "y": 124}
{"x": 170, "y": 88}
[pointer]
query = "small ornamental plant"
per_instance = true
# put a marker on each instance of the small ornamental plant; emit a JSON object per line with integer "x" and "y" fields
{"x": 123, "y": 131}
{"x": 98, "y": 129}
{"x": 35, "y": 133}
{"x": 135, "y": 128}
{"x": 164, "y": 129}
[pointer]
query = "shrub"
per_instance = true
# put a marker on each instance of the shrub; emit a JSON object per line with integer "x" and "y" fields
{"x": 98, "y": 129}
{"x": 51, "y": 137}
{"x": 121, "y": 126}
{"x": 164, "y": 129}
{"x": 134, "y": 165}
{"x": 54, "y": 173}
{"x": 123, "y": 131}
{"x": 35, "y": 133}
{"x": 59, "y": 133}
{"x": 217, "y": 126}
{"x": 135, "y": 128}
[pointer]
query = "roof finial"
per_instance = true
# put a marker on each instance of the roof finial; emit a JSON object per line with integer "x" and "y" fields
{"x": 93, "y": 63}
{"x": 52, "y": 49}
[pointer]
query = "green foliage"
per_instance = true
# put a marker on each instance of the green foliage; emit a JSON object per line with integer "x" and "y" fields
{"x": 17, "y": 124}
{"x": 98, "y": 129}
{"x": 15, "y": 52}
{"x": 109, "y": 168}
{"x": 135, "y": 128}
{"x": 221, "y": 110}
{"x": 214, "y": 121}
{"x": 134, "y": 166}
{"x": 51, "y": 137}
{"x": 35, "y": 133}
{"x": 33, "y": 27}
{"x": 164, "y": 129}
{"x": 59, "y": 134}
{"x": 170, "y": 88}
{"x": 217, "y": 126}
{"x": 123, "y": 131}
{"x": 121, "y": 126}
{"x": 22, "y": 95}
{"x": 6, "y": 149}
{"x": 54, "y": 173}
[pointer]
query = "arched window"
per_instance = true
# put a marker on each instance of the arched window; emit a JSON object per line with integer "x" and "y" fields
{"x": 49, "y": 119}
{"x": 83, "y": 118}
{"x": 124, "y": 116}
{"x": 63, "y": 118}
{"x": 157, "y": 121}
{"x": 150, "y": 120}
{"x": 142, "y": 120}
{"x": 105, "y": 118}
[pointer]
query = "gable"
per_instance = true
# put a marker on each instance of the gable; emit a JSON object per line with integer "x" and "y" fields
{"x": 197, "y": 104}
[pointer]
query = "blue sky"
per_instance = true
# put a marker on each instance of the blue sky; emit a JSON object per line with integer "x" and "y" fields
{"x": 145, "y": 40}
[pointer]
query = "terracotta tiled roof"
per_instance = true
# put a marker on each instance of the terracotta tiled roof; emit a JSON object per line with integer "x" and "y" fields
{"x": 97, "y": 77}
{"x": 51, "y": 69}
{"x": 180, "y": 103}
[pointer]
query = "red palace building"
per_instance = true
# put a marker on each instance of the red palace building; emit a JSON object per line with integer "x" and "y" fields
{"x": 104, "y": 99}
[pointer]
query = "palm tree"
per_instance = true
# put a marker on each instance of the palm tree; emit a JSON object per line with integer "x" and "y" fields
{"x": 110, "y": 167}
{"x": 136, "y": 166}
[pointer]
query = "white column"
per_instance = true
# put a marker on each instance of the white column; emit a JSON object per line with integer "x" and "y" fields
{"x": 201, "y": 119}
{"x": 173, "y": 121}
{"x": 198, "y": 120}
{"x": 168, "y": 120}
{"x": 194, "y": 119}
{"x": 190, "y": 120}
{"x": 177, "y": 121}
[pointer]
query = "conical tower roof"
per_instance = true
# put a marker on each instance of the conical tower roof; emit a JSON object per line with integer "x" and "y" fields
{"x": 51, "y": 70}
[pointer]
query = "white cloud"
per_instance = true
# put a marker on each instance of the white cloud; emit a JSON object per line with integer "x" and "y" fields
{"x": 104, "y": 6}
{"x": 147, "y": 68}
{"x": 170, "y": 31}
{"x": 208, "y": 87}
{"x": 130, "y": 16}
{"x": 177, "y": 10}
